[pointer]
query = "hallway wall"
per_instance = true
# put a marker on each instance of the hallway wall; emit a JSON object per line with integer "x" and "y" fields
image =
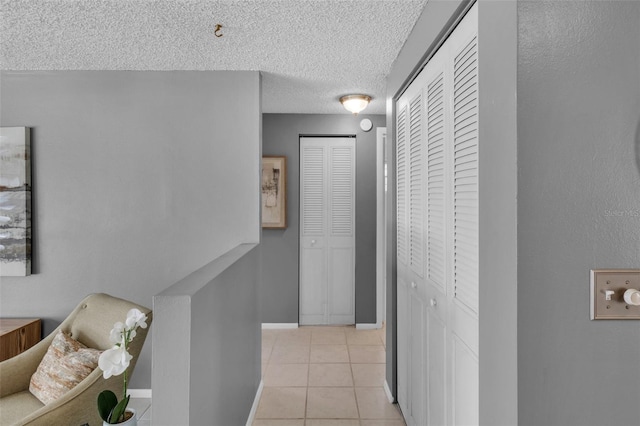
{"x": 139, "y": 179}
{"x": 578, "y": 208}
{"x": 279, "y": 248}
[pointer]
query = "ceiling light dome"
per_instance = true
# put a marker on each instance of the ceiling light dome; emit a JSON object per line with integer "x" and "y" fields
{"x": 355, "y": 103}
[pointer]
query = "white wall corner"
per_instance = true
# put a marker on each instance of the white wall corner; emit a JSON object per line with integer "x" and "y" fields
{"x": 368, "y": 326}
{"x": 387, "y": 392}
{"x": 140, "y": 393}
{"x": 279, "y": 325}
{"x": 254, "y": 407}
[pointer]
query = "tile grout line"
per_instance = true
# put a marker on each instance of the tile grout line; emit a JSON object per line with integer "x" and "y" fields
{"x": 353, "y": 379}
{"x": 355, "y": 395}
{"x": 380, "y": 342}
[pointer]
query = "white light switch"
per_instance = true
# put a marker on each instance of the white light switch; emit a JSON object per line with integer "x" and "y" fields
{"x": 615, "y": 294}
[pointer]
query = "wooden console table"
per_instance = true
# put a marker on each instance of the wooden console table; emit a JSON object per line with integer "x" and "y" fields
{"x": 17, "y": 335}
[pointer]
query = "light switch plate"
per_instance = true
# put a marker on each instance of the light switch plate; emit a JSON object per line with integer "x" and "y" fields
{"x": 605, "y": 281}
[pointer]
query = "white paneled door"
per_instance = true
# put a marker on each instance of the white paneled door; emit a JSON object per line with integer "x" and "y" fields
{"x": 327, "y": 230}
{"x": 437, "y": 212}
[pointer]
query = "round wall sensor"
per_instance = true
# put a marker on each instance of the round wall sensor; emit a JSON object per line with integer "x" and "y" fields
{"x": 366, "y": 124}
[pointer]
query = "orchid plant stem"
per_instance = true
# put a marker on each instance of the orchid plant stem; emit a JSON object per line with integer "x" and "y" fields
{"x": 124, "y": 386}
{"x": 124, "y": 382}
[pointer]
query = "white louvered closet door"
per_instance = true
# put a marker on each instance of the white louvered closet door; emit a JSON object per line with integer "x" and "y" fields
{"x": 438, "y": 313}
{"x": 437, "y": 326}
{"x": 463, "y": 229}
{"x": 403, "y": 279}
{"x": 411, "y": 284}
{"x": 327, "y": 231}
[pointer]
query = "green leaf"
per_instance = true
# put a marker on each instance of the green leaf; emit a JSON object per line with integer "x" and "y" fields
{"x": 118, "y": 411}
{"x": 107, "y": 400}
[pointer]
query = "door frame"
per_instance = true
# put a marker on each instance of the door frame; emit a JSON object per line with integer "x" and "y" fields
{"x": 381, "y": 240}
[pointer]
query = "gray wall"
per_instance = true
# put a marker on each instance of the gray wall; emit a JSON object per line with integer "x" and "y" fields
{"x": 279, "y": 248}
{"x": 498, "y": 213}
{"x": 140, "y": 178}
{"x": 206, "y": 366}
{"x": 579, "y": 208}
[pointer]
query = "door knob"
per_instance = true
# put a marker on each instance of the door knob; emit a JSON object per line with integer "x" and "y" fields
{"x": 413, "y": 284}
{"x": 632, "y": 297}
{"x": 434, "y": 302}
{"x": 313, "y": 242}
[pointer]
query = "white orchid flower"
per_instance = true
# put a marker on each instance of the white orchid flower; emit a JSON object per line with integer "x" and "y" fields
{"x": 114, "y": 361}
{"x": 117, "y": 334}
{"x": 135, "y": 318}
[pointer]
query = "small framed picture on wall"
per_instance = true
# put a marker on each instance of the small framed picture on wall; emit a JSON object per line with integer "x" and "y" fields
{"x": 274, "y": 192}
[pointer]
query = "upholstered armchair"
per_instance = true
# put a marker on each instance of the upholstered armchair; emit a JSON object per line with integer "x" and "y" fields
{"x": 90, "y": 323}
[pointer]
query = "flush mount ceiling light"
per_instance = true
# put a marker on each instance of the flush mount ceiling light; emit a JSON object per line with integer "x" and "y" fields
{"x": 355, "y": 103}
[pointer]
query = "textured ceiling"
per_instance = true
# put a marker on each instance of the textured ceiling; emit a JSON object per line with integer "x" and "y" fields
{"x": 310, "y": 52}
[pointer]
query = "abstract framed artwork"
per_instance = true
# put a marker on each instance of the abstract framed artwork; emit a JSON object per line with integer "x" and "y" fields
{"x": 15, "y": 201}
{"x": 274, "y": 192}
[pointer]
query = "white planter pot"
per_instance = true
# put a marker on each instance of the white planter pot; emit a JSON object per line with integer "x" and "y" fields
{"x": 133, "y": 420}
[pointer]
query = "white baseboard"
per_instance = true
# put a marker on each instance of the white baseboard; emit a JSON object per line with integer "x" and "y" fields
{"x": 139, "y": 393}
{"x": 388, "y": 392}
{"x": 279, "y": 325}
{"x": 254, "y": 407}
{"x": 368, "y": 326}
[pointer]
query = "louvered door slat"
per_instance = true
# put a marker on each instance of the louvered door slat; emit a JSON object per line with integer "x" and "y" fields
{"x": 464, "y": 136}
{"x": 415, "y": 186}
{"x": 313, "y": 190}
{"x": 466, "y": 146}
{"x": 465, "y": 176}
{"x": 401, "y": 168}
{"x": 341, "y": 217}
{"x": 435, "y": 182}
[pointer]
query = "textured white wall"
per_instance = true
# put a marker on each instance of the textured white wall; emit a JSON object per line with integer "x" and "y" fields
{"x": 311, "y": 52}
{"x": 140, "y": 178}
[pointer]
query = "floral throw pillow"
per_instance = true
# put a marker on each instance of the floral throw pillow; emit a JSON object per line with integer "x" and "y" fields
{"x": 66, "y": 363}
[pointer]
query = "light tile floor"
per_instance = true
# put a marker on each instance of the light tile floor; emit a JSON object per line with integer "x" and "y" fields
{"x": 324, "y": 376}
{"x": 318, "y": 376}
